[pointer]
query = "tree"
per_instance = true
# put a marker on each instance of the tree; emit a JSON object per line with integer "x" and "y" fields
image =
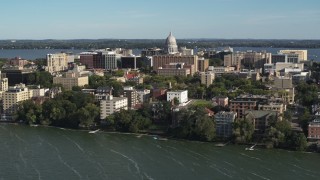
{"x": 29, "y": 112}
{"x": 176, "y": 101}
{"x": 87, "y": 115}
{"x": 243, "y": 130}
{"x": 194, "y": 124}
{"x": 129, "y": 121}
{"x": 44, "y": 79}
{"x": 298, "y": 141}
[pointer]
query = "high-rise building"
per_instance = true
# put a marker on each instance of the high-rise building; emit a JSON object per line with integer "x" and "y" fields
{"x": 57, "y": 62}
{"x": 111, "y": 60}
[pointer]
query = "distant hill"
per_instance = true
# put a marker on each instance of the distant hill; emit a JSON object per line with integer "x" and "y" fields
{"x": 149, "y": 43}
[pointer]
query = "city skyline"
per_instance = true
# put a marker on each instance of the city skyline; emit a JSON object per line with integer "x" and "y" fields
{"x": 141, "y": 19}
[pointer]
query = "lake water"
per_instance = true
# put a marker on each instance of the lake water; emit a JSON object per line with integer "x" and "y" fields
{"x": 52, "y": 153}
{"x": 41, "y": 53}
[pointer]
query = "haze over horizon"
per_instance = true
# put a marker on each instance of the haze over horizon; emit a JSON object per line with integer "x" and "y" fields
{"x": 141, "y": 19}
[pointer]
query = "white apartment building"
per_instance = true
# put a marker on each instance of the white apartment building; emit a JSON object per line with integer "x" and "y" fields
{"x": 57, "y": 62}
{"x": 181, "y": 95}
{"x": 207, "y": 78}
{"x": 110, "y": 105}
{"x": 13, "y": 96}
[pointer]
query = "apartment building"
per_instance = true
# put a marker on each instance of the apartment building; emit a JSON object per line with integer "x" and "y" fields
{"x": 70, "y": 79}
{"x": 13, "y": 96}
{"x": 224, "y": 121}
{"x": 110, "y": 105}
{"x": 57, "y": 62}
{"x": 207, "y": 78}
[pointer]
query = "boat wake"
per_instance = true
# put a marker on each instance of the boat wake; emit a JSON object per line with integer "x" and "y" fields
{"x": 259, "y": 176}
{"x": 250, "y": 156}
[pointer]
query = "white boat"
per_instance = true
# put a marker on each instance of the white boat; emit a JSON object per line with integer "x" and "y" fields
{"x": 251, "y": 148}
{"x": 93, "y": 132}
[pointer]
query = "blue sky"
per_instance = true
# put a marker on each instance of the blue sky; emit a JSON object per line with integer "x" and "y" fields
{"x": 148, "y": 19}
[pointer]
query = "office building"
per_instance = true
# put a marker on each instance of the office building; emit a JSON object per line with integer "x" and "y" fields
{"x": 129, "y": 62}
{"x": 92, "y": 60}
{"x": 110, "y": 60}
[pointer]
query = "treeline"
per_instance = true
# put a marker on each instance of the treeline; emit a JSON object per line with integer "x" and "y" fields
{"x": 149, "y": 43}
{"x": 69, "y": 109}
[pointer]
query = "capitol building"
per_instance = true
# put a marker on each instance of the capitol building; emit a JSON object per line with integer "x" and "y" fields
{"x": 171, "y": 46}
{"x": 175, "y": 61}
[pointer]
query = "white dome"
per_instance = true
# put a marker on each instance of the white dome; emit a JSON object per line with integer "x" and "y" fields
{"x": 171, "y": 40}
{"x": 171, "y": 46}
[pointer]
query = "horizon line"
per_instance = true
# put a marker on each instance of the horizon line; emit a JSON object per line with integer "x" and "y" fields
{"x": 158, "y": 39}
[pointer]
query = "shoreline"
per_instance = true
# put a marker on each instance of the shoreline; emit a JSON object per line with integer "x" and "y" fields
{"x": 163, "y": 137}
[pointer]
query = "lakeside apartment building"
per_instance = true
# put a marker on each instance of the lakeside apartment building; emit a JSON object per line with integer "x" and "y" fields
{"x": 110, "y": 105}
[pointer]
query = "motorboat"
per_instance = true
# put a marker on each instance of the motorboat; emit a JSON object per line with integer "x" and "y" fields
{"x": 251, "y": 148}
{"x": 93, "y": 132}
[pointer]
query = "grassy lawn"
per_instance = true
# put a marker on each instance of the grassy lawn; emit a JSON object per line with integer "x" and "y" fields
{"x": 202, "y": 103}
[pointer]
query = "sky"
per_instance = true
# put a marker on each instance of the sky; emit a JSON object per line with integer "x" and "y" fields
{"x": 154, "y": 19}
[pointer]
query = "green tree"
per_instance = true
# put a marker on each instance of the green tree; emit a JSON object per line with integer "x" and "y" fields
{"x": 87, "y": 115}
{"x": 29, "y": 112}
{"x": 194, "y": 124}
{"x": 243, "y": 130}
{"x": 299, "y": 141}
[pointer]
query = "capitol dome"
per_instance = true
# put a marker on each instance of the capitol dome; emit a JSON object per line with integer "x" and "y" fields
{"x": 171, "y": 46}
